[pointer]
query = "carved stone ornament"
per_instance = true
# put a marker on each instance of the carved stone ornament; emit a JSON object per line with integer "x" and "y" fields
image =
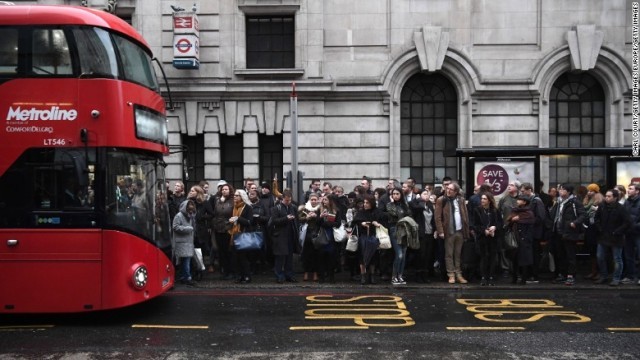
{"x": 431, "y": 44}
{"x": 584, "y": 45}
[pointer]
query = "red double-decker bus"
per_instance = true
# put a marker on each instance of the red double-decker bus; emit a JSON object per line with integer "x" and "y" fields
{"x": 84, "y": 223}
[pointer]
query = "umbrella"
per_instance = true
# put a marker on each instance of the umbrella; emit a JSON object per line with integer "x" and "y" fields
{"x": 368, "y": 246}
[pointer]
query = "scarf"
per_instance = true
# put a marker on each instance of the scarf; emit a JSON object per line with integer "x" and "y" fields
{"x": 238, "y": 207}
{"x": 308, "y": 206}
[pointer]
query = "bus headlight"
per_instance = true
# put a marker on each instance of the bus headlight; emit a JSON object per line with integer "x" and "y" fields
{"x": 140, "y": 277}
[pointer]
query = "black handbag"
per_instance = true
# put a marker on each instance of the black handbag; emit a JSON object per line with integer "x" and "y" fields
{"x": 321, "y": 239}
{"x": 510, "y": 240}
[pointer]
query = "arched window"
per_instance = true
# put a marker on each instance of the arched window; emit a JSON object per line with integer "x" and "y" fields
{"x": 429, "y": 128}
{"x": 576, "y": 120}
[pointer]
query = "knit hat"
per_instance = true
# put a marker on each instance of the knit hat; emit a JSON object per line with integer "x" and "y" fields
{"x": 593, "y": 187}
{"x": 221, "y": 182}
{"x": 265, "y": 185}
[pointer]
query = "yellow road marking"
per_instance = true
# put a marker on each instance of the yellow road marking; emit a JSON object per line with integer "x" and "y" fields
{"x": 203, "y": 327}
{"x": 25, "y": 327}
{"x": 623, "y": 329}
{"x": 328, "y": 328}
{"x": 488, "y": 328}
{"x": 520, "y": 310}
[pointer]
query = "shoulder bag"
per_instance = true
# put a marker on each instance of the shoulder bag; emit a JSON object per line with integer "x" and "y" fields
{"x": 382, "y": 233}
{"x": 352, "y": 242}
{"x": 510, "y": 239}
{"x": 248, "y": 240}
{"x": 339, "y": 233}
{"x": 321, "y": 239}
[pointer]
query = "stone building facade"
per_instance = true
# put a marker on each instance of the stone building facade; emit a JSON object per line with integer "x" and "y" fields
{"x": 390, "y": 88}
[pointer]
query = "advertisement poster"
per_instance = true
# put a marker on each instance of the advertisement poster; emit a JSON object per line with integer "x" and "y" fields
{"x": 627, "y": 172}
{"x": 501, "y": 172}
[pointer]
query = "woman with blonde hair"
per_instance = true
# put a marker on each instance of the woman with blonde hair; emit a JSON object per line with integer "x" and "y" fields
{"x": 591, "y": 201}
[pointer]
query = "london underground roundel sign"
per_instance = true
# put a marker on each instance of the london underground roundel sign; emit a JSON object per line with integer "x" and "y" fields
{"x": 183, "y": 45}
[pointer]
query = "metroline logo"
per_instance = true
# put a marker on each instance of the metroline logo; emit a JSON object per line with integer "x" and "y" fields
{"x": 52, "y": 113}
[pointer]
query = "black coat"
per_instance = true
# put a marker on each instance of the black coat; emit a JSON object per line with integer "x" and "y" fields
{"x": 417, "y": 208}
{"x": 572, "y": 212}
{"x": 369, "y": 216}
{"x": 284, "y": 231}
{"x": 632, "y": 205}
{"x": 484, "y": 219}
{"x": 260, "y": 216}
{"x": 204, "y": 214}
{"x": 612, "y": 222}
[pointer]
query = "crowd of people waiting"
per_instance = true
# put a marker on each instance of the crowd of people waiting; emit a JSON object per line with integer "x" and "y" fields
{"x": 436, "y": 231}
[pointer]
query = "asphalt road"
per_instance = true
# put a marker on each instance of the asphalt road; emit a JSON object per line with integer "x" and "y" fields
{"x": 296, "y": 321}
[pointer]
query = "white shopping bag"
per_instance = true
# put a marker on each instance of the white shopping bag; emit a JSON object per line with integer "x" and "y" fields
{"x": 199, "y": 259}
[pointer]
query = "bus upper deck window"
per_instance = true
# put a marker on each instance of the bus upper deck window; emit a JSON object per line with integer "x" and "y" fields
{"x": 98, "y": 57}
{"x": 50, "y": 53}
{"x": 8, "y": 51}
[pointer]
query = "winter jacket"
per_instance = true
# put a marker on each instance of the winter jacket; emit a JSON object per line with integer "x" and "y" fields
{"x": 407, "y": 232}
{"x": 484, "y": 219}
{"x": 222, "y": 211}
{"x": 396, "y": 211}
{"x": 284, "y": 231}
{"x": 524, "y": 230}
{"x": 183, "y": 232}
{"x": 572, "y": 212}
{"x": 632, "y": 205}
{"x": 444, "y": 216}
{"x": 204, "y": 214}
{"x": 418, "y": 206}
{"x": 612, "y": 222}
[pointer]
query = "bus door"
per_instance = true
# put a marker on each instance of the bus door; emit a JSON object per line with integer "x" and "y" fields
{"x": 50, "y": 241}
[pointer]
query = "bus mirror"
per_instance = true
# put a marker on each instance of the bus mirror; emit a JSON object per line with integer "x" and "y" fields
{"x": 84, "y": 135}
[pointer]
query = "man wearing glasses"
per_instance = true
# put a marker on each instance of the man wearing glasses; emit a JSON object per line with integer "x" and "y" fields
{"x": 452, "y": 223}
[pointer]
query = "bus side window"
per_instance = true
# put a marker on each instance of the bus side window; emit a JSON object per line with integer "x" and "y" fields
{"x": 8, "y": 52}
{"x": 50, "y": 53}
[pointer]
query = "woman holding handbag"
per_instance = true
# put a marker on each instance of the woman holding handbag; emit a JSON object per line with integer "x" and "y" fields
{"x": 522, "y": 221}
{"x": 241, "y": 221}
{"x": 367, "y": 220}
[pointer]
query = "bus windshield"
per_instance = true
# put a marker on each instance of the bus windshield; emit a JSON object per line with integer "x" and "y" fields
{"x": 136, "y": 198}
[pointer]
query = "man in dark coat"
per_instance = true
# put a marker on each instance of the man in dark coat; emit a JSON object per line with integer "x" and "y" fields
{"x": 612, "y": 221}
{"x": 632, "y": 239}
{"x": 285, "y": 237}
{"x": 568, "y": 215}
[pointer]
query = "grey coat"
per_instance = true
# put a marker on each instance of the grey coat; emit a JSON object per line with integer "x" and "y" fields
{"x": 183, "y": 231}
